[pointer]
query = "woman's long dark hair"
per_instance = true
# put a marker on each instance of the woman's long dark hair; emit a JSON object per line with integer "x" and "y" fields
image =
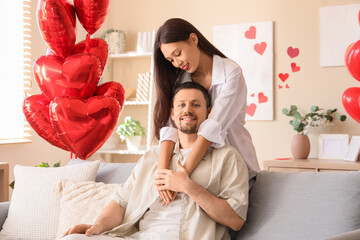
{"x": 166, "y": 75}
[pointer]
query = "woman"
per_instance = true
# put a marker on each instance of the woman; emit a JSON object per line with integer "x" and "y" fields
{"x": 182, "y": 53}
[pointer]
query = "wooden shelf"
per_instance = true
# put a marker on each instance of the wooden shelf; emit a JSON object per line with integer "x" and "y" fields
{"x": 129, "y": 54}
{"x": 135, "y": 103}
{"x": 311, "y": 164}
{"x": 122, "y": 150}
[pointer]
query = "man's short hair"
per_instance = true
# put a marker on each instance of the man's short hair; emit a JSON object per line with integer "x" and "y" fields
{"x": 192, "y": 85}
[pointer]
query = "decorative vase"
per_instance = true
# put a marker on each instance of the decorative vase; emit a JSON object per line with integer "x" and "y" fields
{"x": 133, "y": 143}
{"x": 300, "y": 146}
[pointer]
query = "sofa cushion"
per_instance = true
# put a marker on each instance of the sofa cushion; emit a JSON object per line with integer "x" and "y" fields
{"x": 304, "y": 205}
{"x": 81, "y": 202}
{"x": 34, "y": 208}
{"x": 110, "y": 172}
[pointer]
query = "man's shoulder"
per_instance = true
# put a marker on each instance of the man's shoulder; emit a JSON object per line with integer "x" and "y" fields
{"x": 150, "y": 156}
{"x": 227, "y": 153}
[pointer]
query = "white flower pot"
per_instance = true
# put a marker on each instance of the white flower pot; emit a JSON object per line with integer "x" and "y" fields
{"x": 133, "y": 143}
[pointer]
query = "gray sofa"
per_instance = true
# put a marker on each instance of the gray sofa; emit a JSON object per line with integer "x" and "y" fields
{"x": 304, "y": 205}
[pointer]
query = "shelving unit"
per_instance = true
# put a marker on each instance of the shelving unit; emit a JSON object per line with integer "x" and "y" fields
{"x": 115, "y": 61}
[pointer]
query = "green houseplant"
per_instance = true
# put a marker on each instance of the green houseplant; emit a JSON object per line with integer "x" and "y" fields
{"x": 131, "y": 131}
{"x": 316, "y": 117}
{"x": 300, "y": 144}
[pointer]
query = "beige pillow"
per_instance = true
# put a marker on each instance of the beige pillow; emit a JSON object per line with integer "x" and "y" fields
{"x": 34, "y": 208}
{"x": 81, "y": 202}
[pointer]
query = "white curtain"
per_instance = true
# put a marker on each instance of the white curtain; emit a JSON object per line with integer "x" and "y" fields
{"x": 15, "y": 69}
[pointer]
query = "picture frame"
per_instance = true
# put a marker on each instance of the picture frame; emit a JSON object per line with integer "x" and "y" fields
{"x": 353, "y": 150}
{"x": 333, "y": 146}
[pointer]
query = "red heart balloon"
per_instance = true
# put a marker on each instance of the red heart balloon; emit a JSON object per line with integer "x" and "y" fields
{"x": 84, "y": 125}
{"x": 112, "y": 89}
{"x": 75, "y": 76}
{"x": 36, "y": 111}
{"x": 91, "y": 13}
{"x": 97, "y": 46}
{"x": 351, "y": 102}
{"x": 352, "y": 59}
{"x": 56, "y": 22}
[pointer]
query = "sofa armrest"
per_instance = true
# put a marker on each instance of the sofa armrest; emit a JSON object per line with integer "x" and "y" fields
{"x": 4, "y": 208}
{"x": 352, "y": 235}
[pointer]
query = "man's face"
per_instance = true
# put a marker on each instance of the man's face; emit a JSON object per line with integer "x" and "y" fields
{"x": 189, "y": 110}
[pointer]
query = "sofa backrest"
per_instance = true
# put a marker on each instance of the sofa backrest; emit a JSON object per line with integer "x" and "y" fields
{"x": 110, "y": 172}
{"x": 303, "y": 205}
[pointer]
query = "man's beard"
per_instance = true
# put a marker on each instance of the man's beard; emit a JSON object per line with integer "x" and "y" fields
{"x": 188, "y": 129}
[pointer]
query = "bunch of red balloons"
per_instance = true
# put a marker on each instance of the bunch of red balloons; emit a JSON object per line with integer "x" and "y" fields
{"x": 73, "y": 112}
{"x": 351, "y": 96}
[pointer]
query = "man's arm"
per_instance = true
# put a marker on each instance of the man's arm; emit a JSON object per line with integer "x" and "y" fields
{"x": 111, "y": 217}
{"x": 218, "y": 209}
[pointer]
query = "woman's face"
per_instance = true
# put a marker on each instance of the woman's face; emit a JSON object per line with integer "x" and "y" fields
{"x": 183, "y": 54}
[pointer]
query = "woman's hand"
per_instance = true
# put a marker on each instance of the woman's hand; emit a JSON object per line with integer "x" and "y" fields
{"x": 84, "y": 228}
{"x": 175, "y": 181}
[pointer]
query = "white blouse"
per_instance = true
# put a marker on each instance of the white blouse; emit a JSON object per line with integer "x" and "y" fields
{"x": 225, "y": 123}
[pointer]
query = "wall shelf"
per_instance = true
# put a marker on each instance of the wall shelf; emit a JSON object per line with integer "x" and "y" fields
{"x": 135, "y": 103}
{"x": 129, "y": 54}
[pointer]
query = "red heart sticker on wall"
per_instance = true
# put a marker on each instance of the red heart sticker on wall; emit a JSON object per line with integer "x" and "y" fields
{"x": 250, "y": 110}
{"x": 283, "y": 76}
{"x": 294, "y": 68}
{"x": 292, "y": 52}
{"x": 260, "y": 47}
{"x": 251, "y": 33}
{"x": 84, "y": 125}
{"x": 262, "y": 98}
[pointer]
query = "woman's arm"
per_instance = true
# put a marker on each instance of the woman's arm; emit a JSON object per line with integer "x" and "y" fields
{"x": 199, "y": 149}
{"x": 166, "y": 149}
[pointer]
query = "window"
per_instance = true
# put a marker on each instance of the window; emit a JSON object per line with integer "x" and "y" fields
{"x": 15, "y": 68}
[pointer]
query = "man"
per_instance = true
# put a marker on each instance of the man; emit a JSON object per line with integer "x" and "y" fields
{"x": 212, "y": 198}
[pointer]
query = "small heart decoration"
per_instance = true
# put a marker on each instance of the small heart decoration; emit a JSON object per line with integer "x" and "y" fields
{"x": 251, "y": 33}
{"x": 293, "y": 52}
{"x": 283, "y": 76}
{"x": 295, "y": 68}
{"x": 75, "y": 76}
{"x": 250, "y": 110}
{"x": 262, "y": 98}
{"x": 280, "y": 87}
{"x": 84, "y": 125}
{"x": 287, "y": 86}
{"x": 260, "y": 47}
{"x": 252, "y": 95}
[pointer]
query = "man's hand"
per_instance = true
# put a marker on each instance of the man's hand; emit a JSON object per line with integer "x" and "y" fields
{"x": 176, "y": 181}
{"x": 84, "y": 228}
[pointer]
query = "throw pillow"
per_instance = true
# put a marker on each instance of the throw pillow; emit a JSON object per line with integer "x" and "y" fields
{"x": 81, "y": 202}
{"x": 34, "y": 209}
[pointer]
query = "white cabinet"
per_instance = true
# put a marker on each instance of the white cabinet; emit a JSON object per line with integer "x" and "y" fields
{"x": 125, "y": 69}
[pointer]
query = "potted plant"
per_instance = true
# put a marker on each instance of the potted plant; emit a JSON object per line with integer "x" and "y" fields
{"x": 300, "y": 144}
{"x": 132, "y": 132}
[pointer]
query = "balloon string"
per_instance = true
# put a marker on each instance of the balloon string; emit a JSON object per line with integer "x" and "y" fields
{"x": 87, "y": 43}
